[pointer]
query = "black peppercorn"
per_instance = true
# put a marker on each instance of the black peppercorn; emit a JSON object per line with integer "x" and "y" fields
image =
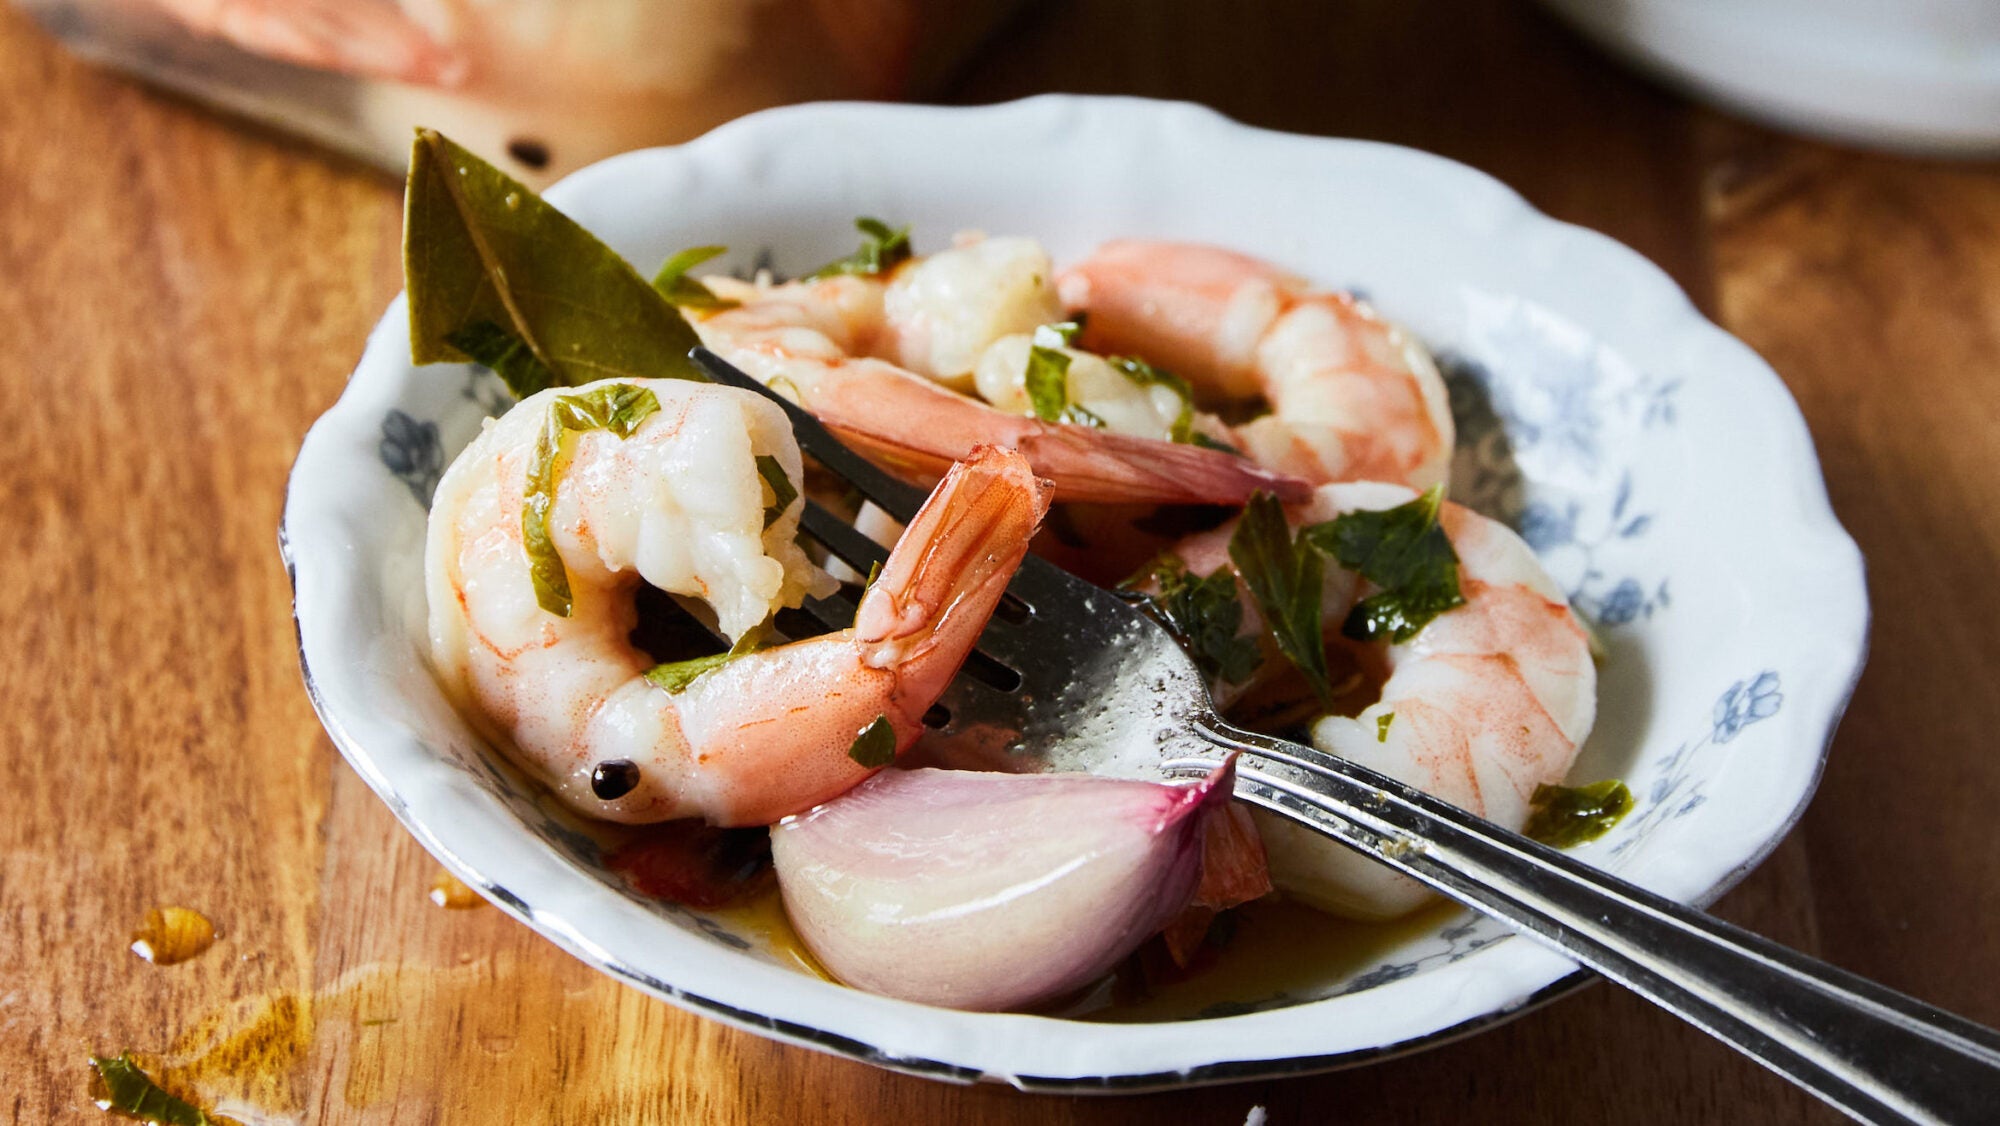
{"x": 613, "y": 780}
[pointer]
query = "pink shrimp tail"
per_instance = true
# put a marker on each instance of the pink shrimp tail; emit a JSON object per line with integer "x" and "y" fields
{"x": 938, "y": 427}
{"x": 770, "y": 735}
{"x": 951, "y": 566}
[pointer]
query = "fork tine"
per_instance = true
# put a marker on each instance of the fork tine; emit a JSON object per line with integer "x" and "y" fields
{"x": 899, "y": 500}
{"x": 840, "y": 537}
{"x": 835, "y": 611}
{"x": 892, "y": 496}
{"x": 1036, "y": 580}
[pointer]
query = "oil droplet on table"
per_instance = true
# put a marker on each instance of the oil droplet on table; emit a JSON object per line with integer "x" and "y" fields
{"x": 172, "y": 934}
{"x": 451, "y": 893}
{"x": 387, "y": 1037}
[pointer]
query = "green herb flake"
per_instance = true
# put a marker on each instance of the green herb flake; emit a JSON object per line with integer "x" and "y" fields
{"x": 1060, "y": 334}
{"x": 123, "y": 1087}
{"x": 1047, "y": 382}
{"x": 882, "y": 249}
{"x": 617, "y": 407}
{"x": 1197, "y": 438}
{"x": 874, "y": 572}
{"x": 782, "y": 492}
{"x": 1084, "y": 416}
{"x": 1404, "y": 551}
{"x": 1047, "y": 377}
{"x": 1146, "y": 375}
{"x": 673, "y": 283}
{"x": 1286, "y": 577}
{"x": 875, "y": 745}
{"x": 1566, "y": 816}
{"x": 675, "y": 676}
{"x": 1207, "y": 615}
{"x": 510, "y": 358}
{"x": 481, "y": 252}
{"x": 1382, "y": 723}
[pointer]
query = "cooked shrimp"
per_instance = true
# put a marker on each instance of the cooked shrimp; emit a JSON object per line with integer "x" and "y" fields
{"x": 1352, "y": 396}
{"x": 822, "y": 340}
{"x": 683, "y": 504}
{"x": 1486, "y": 702}
{"x": 373, "y": 39}
{"x": 941, "y": 311}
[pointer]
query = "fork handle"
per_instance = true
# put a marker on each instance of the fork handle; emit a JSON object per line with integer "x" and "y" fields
{"x": 1876, "y": 1054}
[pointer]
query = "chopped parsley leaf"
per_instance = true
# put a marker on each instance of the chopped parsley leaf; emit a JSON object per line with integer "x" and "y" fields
{"x": 679, "y": 289}
{"x": 1404, "y": 551}
{"x": 875, "y": 745}
{"x": 674, "y": 676}
{"x": 1567, "y": 816}
{"x": 677, "y": 675}
{"x": 1207, "y": 615}
{"x": 882, "y": 249}
{"x": 617, "y": 407}
{"x": 1286, "y": 577}
{"x": 1197, "y": 438}
{"x": 1060, "y": 334}
{"x": 1047, "y": 382}
{"x": 1084, "y": 416}
{"x": 1146, "y": 375}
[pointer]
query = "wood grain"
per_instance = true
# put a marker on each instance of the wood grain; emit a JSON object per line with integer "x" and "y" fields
{"x": 183, "y": 296}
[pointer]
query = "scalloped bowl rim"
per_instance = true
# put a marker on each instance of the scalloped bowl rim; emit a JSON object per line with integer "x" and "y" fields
{"x": 479, "y": 841}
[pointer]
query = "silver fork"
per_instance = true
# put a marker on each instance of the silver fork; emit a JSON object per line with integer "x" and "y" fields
{"x": 1080, "y": 678}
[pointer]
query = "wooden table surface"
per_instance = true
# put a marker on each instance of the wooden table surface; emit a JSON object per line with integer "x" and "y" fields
{"x": 180, "y": 296}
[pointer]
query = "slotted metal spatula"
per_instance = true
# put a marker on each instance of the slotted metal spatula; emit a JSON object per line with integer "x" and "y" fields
{"x": 1079, "y": 678}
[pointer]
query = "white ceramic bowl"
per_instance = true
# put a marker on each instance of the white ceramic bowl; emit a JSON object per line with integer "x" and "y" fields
{"x": 1656, "y": 463}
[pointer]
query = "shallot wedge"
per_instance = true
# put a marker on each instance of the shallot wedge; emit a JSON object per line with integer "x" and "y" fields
{"x": 984, "y": 891}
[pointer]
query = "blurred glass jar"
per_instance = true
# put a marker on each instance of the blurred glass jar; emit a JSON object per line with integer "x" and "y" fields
{"x": 545, "y": 86}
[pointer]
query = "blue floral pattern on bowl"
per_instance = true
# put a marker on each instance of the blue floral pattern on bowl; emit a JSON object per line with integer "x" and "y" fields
{"x": 412, "y": 454}
{"x": 1545, "y": 421}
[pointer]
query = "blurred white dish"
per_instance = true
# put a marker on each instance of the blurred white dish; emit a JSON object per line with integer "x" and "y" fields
{"x": 1656, "y": 463}
{"x": 1922, "y": 75}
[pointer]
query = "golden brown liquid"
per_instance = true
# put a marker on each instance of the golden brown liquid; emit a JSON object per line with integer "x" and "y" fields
{"x": 763, "y": 920}
{"x": 172, "y": 934}
{"x": 384, "y": 1034}
{"x": 449, "y": 892}
{"x": 1278, "y": 947}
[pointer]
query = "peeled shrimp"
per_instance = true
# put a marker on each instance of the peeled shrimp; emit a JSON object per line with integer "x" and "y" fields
{"x": 680, "y": 504}
{"x": 877, "y": 360}
{"x": 1486, "y": 702}
{"x": 1352, "y": 396}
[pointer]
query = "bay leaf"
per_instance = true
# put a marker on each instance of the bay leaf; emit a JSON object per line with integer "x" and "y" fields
{"x": 483, "y": 253}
